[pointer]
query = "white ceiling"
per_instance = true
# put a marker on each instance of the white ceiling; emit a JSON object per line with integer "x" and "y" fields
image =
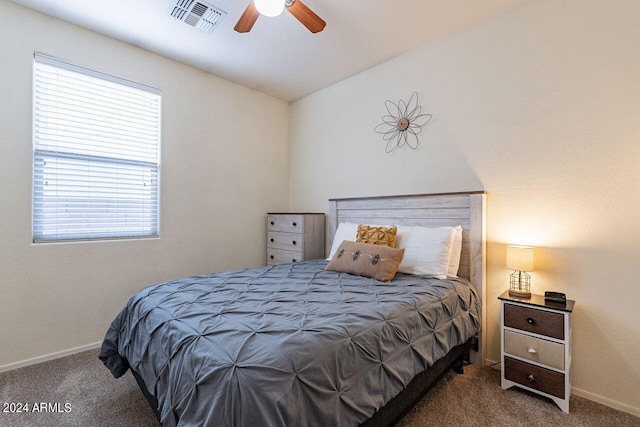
{"x": 279, "y": 57}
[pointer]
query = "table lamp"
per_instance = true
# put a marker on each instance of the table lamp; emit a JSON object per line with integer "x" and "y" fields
{"x": 520, "y": 260}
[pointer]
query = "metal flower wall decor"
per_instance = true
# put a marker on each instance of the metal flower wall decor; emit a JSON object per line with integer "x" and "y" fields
{"x": 403, "y": 123}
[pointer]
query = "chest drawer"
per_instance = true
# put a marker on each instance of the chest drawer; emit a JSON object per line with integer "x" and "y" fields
{"x": 536, "y": 321}
{"x": 285, "y": 241}
{"x": 289, "y": 223}
{"x": 531, "y": 348}
{"x": 279, "y": 256}
{"x": 544, "y": 380}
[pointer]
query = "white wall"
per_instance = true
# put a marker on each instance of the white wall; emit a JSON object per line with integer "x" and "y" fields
{"x": 224, "y": 165}
{"x": 540, "y": 107}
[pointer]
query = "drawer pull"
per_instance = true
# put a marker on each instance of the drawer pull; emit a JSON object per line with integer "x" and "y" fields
{"x": 272, "y": 240}
{"x": 532, "y": 350}
{"x": 293, "y": 260}
{"x": 530, "y": 321}
{"x": 295, "y": 224}
{"x": 294, "y": 242}
{"x": 273, "y": 223}
{"x": 271, "y": 256}
{"x": 531, "y": 378}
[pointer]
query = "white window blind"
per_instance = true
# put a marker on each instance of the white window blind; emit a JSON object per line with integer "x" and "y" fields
{"x": 96, "y": 154}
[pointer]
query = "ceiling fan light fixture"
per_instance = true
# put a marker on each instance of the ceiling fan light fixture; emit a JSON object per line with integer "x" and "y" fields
{"x": 269, "y": 7}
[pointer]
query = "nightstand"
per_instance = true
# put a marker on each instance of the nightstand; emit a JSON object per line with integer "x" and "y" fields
{"x": 293, "y": 237}
{"x": 536, "y": 346}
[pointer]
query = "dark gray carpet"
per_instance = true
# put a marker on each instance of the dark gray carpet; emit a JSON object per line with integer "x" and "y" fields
{"x": 79, "y": 391}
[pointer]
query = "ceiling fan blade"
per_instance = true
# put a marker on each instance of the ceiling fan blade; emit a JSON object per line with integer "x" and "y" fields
{"x": 248, "y": 18}
{"x": 306, "y": 16}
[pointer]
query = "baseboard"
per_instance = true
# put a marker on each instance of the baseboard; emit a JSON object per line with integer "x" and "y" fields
{"x": 47, "y": 357}
{"x": 596, "y": 398}
{"x": 492, "y": 364}
{"x": 606, "y": 402}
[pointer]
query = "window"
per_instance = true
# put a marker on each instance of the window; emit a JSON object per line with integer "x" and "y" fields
{"x": 96, "y": 155}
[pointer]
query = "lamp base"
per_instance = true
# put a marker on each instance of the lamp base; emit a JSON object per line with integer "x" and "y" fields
{"x": 519, "y": 294}
{"x": 520, "y": 284}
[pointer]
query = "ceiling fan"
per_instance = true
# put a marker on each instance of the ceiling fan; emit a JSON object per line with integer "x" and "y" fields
{"x": 302, "y": 13}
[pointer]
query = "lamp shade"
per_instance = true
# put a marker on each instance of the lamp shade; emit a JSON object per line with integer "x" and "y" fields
{"x": 520, "y": 258}
{"x": 269, "y": 7}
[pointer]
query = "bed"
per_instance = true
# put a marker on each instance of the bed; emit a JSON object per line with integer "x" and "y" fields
{"x": 295, "y": 344}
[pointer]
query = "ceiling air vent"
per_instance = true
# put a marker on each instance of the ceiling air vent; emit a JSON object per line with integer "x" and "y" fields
{"x": 203, "y": 16}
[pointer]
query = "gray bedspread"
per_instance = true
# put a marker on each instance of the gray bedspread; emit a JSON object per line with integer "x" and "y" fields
{"x": 286, "y": 345}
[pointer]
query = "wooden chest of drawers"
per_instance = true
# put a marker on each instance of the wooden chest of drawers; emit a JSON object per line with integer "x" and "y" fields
{"x": 536, "y": 346}
{"x": 293, "y": 237}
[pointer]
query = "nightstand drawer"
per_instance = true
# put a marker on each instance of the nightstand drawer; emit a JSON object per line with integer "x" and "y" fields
{"x": 285, "y": 241}
{"x": 535, "y": 349}
{"x": 544, "y": 380}
{"x": 279, "y": 256}
{"x": 532, "y": 320}
{"x": 290, "y": 223}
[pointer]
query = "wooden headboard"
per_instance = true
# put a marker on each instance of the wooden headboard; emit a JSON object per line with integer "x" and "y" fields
{"x": 430, "y": 210}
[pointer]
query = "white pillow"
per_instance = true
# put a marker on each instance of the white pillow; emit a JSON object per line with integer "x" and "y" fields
{"x": 426, "y": 250}
{"x": 456, "y": 249}
{"x": 345, "y": 231}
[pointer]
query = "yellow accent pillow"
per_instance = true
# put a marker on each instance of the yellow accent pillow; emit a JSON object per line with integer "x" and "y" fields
{"x": 385, "y": 236}
{"x": 363, "y": 259}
